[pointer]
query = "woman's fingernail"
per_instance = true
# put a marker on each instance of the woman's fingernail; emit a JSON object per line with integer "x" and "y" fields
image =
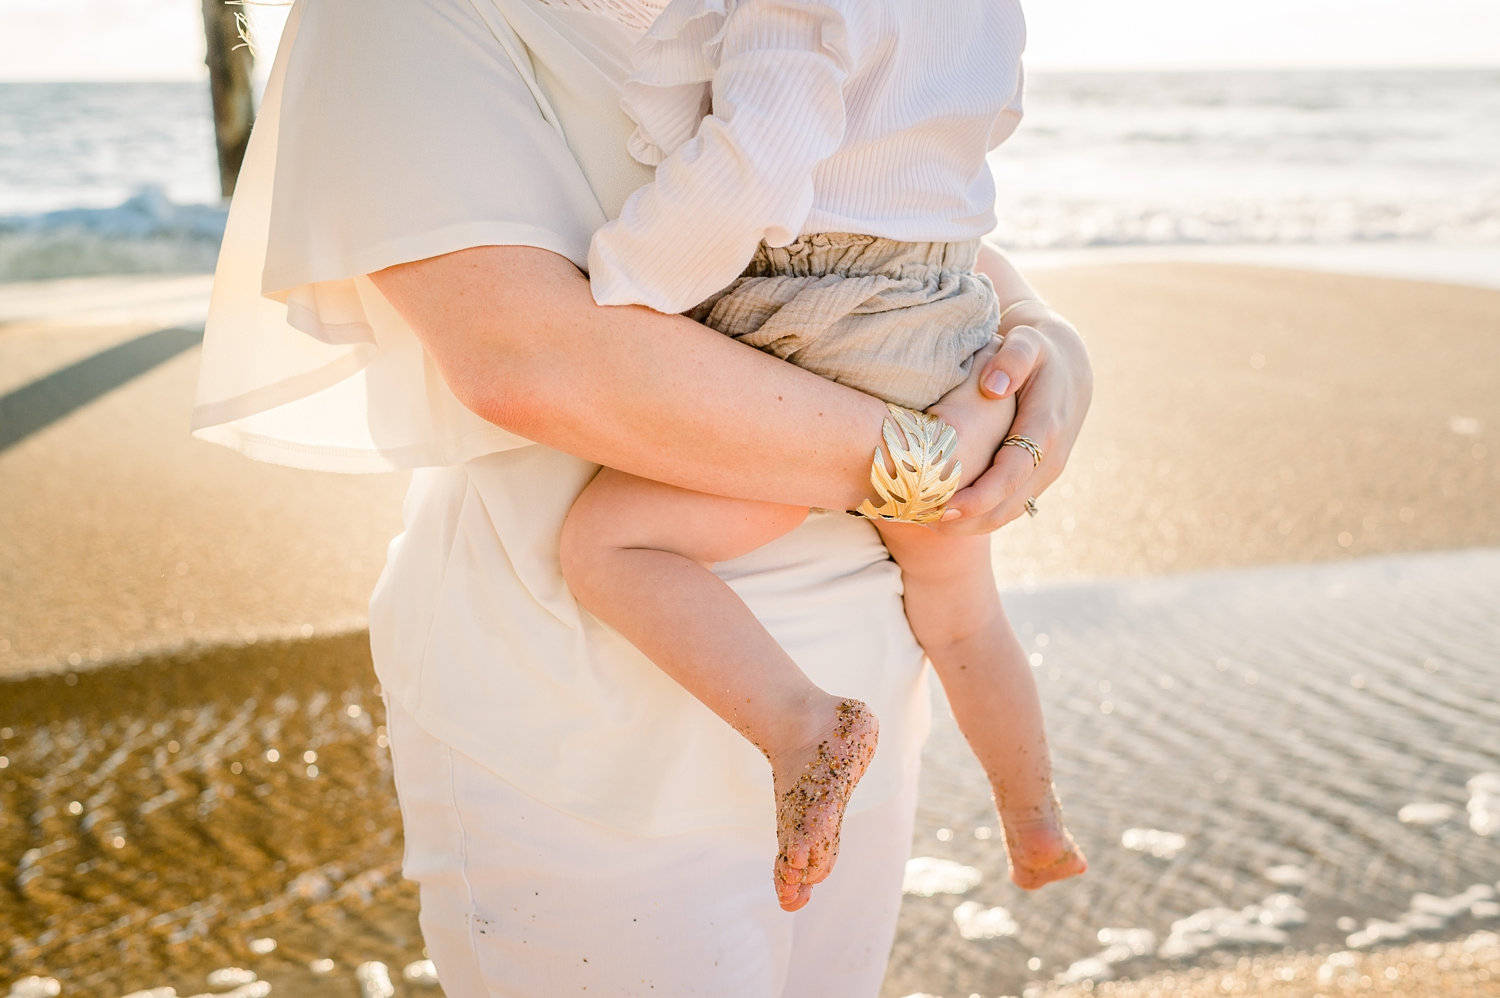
{"x": 996, "y": 382}
{"x": 950, "y": 514}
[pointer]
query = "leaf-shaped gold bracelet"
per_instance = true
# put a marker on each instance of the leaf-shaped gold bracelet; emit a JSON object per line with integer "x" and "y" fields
{"x": 916, "y": 491}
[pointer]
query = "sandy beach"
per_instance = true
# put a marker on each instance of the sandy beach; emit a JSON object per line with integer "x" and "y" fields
{"x": 1466, "y": 968}
{"x": 1258, "y": 416}
{"x": 1244, "y": 416}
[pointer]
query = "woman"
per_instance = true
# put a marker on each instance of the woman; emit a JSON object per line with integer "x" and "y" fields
{"x": 400, "y": 287}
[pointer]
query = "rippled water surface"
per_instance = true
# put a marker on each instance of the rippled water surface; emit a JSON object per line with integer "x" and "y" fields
{"x": 165, "y": 819}
{"x": 1289, "y": 757}
{"x": 1223, "y": 739}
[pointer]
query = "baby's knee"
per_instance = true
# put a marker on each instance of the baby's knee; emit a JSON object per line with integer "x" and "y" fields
{"x": 581, "y": 547}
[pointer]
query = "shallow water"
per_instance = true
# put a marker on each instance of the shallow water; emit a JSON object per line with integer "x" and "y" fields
{"x": 169, "y": 815}
{"x": 1229, "y": 740}
{"x": 1224, "y": 738}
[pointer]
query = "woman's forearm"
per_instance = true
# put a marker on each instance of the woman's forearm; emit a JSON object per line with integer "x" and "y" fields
{"x": 1010, "y": 286}
{"x": 1012, "y": 289}
{"x": 519, "y": 341}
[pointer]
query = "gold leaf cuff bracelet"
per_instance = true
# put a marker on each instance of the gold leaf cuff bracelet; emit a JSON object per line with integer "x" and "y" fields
{"x": 916, "y": 490}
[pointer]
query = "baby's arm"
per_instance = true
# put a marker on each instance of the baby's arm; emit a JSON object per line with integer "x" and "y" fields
{"x": 746, "y": 175}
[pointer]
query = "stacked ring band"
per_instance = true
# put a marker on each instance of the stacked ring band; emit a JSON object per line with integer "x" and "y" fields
{"x": 1016, "y": 440}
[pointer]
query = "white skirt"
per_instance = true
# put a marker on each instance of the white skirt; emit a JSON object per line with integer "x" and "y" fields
{"x": 520, "y": 900}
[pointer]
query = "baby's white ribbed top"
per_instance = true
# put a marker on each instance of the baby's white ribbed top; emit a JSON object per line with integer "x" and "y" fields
{"x": 768, "y": 119}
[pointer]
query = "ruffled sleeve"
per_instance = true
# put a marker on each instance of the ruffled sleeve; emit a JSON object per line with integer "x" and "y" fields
{"x": 668, "y": 92}
{"x": 745, "y": 175}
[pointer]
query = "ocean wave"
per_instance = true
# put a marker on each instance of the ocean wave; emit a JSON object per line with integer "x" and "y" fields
{"x": 1078, "y": 224}
{"x": 150, "y": 233}
{"x": 146, "y": 233}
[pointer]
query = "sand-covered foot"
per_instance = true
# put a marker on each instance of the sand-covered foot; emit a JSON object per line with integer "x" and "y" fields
{"x": 813, "y": 785}
{"x": 1041, "y": 850}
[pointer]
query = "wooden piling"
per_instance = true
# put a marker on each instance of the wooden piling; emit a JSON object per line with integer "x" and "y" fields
{"x": 229, "y": 61}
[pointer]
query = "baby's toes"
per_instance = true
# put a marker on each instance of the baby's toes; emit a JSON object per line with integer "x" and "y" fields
{"x": 791, "y": 892}
{"x": 792, "y": 864}
{"x": 822, "y": 853}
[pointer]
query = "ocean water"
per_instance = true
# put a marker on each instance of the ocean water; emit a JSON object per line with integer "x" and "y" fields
{"x": 1286, "y": 758}
{"x": 121, "y": 177}
{"x": 1280, "y": 759}
{"x": 1251, "y": 158}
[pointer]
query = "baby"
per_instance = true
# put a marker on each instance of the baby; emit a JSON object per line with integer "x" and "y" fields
{"x": 820, "y": 192}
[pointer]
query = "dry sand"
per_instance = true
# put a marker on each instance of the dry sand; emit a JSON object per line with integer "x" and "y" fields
{"x": 1253, "y": 416}
{"x": 1242, "y": 416}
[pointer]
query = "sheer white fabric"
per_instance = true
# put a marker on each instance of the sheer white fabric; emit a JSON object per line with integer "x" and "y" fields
{"x": 379, "y": 157}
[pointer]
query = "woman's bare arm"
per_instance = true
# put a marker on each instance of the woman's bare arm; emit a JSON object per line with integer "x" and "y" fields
{"x": 519, "y": 340}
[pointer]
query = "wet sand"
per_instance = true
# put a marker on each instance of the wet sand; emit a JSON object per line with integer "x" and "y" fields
{"x": 1464, "y": 968}
{"x": 1243, "y": 417}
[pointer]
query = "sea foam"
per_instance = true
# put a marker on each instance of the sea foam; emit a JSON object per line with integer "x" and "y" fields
{"x": 146, "y": 233}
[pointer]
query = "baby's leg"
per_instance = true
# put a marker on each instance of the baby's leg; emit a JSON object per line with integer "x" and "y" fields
{"x": 955, "y": 613}
{"x": 636, "y": 554}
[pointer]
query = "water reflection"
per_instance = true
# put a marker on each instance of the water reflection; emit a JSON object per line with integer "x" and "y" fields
{"x": 1267, "y": 730}
{"x": 174, "y": 816}
{"x": 1291, "y": 757}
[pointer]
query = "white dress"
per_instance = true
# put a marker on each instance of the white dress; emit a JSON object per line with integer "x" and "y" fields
{"x": 369, "y": 152}
{"x": 394, "y": 131}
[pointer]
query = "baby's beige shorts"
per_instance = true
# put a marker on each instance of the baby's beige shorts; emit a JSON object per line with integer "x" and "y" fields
{"x": 897, "y": 320}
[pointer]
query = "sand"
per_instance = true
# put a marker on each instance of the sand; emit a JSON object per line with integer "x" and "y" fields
{"x": 1255, "y": 416}
{"x": 1242, "y": 416}
{"x": 122, "y": 536}
{"x": 1464, "y": 968}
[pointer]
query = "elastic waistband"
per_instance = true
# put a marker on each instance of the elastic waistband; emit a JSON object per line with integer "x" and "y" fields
{"x": 849, "y": 254}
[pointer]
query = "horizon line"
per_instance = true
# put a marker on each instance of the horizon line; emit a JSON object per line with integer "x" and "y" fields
{"x": 1031, "y": 67}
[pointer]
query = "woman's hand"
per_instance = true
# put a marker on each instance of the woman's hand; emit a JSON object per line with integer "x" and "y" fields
{"x": 1042, "y": 365}
{"x": 980, "y": 420}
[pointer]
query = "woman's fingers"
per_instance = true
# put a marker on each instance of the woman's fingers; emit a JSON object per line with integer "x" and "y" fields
{"x": 1052, "y": 390}
{"x": 1010, "y": 367}
{"x": 997, "y": 496}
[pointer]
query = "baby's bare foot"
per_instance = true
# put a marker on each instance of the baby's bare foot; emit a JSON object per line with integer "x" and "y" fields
{"x": 813, "y": 783}
{"x": 1041, "y": 850}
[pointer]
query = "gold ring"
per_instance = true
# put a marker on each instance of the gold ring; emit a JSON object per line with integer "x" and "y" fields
{"x": 1031, "y": 506}
{"x": 1016, "y": 440}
